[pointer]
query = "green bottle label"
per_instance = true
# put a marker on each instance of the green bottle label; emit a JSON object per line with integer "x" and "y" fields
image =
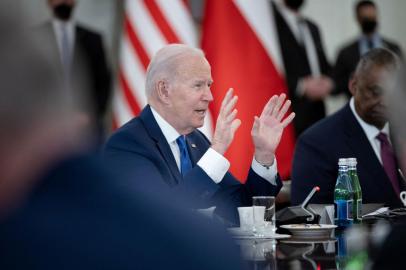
{"x": 359, "y": 209}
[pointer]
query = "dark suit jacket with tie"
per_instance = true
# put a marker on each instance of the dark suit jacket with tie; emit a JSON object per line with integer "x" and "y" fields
{"x": 297, "y": 66}
{"x": 316, "y": 158}
{"x": 90, "y": 78}
{"x": 140, "y": 151}
{"x": 347, "y": 61}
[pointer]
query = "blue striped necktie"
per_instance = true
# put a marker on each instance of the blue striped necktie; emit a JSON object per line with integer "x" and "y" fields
{"x": 185, "y": 162}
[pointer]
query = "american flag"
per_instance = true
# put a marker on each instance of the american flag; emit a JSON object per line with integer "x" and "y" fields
{"x": 148, "y": 26}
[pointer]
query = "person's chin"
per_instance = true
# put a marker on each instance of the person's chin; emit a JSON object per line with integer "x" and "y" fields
{"x": 378, "y": 122}
{"x": 199, "y": 123}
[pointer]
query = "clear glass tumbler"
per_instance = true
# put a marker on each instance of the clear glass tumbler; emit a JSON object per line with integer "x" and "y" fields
{"x": 264, "y": 215}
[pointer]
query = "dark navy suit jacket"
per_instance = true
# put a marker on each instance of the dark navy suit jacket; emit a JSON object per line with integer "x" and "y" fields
{"x": 140, "y": 151}
{"x": 77, "y": 217}
{"x": 316, "y": 157}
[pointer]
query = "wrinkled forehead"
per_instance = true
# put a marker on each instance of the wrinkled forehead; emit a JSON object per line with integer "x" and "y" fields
{"x": 192, "y": 66}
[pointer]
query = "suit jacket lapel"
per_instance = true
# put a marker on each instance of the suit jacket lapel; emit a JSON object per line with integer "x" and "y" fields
{"x": 155, "y": 132}
{"x": 197, "y": 147}
{"x": 284, "y": 28}
{"x": 358, "y": 141}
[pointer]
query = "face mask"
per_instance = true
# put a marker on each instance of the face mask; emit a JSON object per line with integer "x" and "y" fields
{"x": 294, "y": 4}
{"x": 63, "y": 11}
{"x": 368, "y": 26}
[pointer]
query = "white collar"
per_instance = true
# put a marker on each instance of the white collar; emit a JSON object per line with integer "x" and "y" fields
{"x": 57, "y": 23}
{"x": 370, "y": 130}
{"x": 169, "y": 131}
{"x": 286, "y": 12}
{"x": 291, "y": 18}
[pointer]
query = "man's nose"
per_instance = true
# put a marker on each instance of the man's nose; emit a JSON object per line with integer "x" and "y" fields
{"x": 207, "y": 94}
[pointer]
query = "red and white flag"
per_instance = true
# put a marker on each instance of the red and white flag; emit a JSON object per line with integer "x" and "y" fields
{"x": 240, "y": 42}
{"x": 148, "y": 26}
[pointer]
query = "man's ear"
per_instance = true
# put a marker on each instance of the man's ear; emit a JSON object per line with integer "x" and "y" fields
{"x": 352, "y": 85}
{"x": 163, "y": 91}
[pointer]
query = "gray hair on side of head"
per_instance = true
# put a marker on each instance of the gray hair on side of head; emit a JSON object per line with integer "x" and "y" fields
{"x": 165, "y": 62}
{"x": 377, "y": 57}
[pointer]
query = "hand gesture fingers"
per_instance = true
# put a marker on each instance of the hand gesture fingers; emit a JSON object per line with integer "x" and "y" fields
{"x": 269, "y": 106}
{"x": 288, "y": 119}
{"x": 226, "y": 124}
{"x": 268, "y": 128}
{"x": 283, "y": 111}
{"x": 227, "y": 98}
{"x": 278, "y": 104}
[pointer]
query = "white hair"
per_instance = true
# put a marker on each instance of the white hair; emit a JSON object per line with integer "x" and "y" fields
{"x": 165, "y": 63}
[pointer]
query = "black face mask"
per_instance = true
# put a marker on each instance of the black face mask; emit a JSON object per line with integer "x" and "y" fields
{"x": 63, "y": 11}
{"x": 368, "y": 26}
{"x": 294, "y": 4}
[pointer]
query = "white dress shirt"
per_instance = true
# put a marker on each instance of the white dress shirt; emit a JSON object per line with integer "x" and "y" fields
{"x": 212, "y": 163}
{"x": 371, "y": 131}
{"x": 70, "y": 31}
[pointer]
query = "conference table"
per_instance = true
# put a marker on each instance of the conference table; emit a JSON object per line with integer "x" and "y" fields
{"x": 292, "y": 254}
{"x": 331, "y": 252}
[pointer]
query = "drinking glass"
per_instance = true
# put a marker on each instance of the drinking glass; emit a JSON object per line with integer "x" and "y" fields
{"x": 264, "y": 215}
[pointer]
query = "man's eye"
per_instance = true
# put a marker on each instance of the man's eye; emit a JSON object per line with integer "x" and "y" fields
{"x": 376, "y": 91}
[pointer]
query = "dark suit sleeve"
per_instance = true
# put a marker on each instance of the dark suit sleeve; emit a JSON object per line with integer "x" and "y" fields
{"x": 93, "y": 55}
{"x": 233, "y": 194}
{"x": 231, "y": 188}
{"x": 311, "y": 167}
{"x": 325, "y": 66}
{"x": 102, "y": 76}
{"x": 341, "y": 75}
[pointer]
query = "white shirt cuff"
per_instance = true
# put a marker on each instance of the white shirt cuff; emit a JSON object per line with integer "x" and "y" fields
{"x": 214, "y": 165}
{"x": 269, "y": 174}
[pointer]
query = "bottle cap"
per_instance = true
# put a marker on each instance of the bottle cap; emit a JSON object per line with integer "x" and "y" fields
{"x": 342, "y": 162}
{"x": 352, "y": 161}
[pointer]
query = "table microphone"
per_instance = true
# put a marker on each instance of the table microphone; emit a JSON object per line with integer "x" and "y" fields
{"x": 299, "y": 213}
{"x": 306, "y": 201}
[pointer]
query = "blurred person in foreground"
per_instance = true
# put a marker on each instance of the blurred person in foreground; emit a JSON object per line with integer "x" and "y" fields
{"x": 79, "y": 58}
{"x": 366, "y": 13}
{"x": 307, "y": 70}
{"x": 59, "y": 208}
{"x": 391, "y": 253}
{"x": 361, "y": 130}
{"x": 163, "y": 144}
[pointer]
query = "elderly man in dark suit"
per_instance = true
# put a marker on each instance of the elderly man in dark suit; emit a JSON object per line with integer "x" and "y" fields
{"x": 79, "y": 61}
{"x": 359, "y": 130}
{"x": 306, "y": 67}
{"x": 163, "y": 144}
{"x": 59, "y": 207}
{"x": 367, "y": 17}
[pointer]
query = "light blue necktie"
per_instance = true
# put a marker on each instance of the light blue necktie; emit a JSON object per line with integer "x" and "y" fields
{"x": 66, "y": 54}
{"x": 185, "y": 162}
